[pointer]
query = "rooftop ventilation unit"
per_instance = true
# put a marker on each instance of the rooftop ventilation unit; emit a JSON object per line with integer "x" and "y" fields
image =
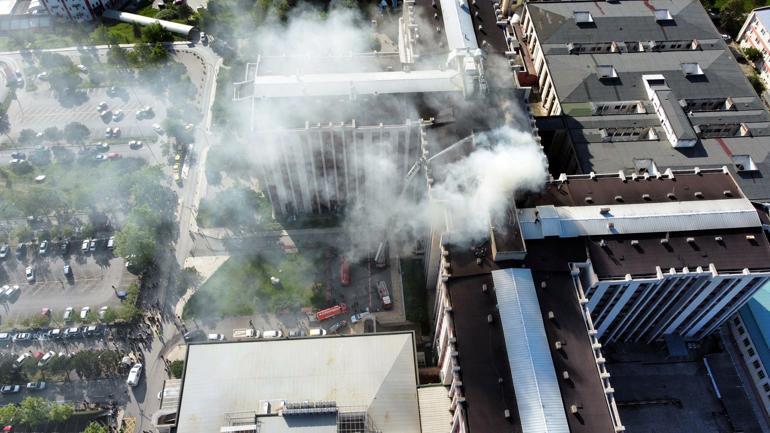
{"x": 664, "y": 241}
{"x": 698, "y": 194}
{"x": 692, "y": 69}
{"x": 646, "y": 197}
{"x": 490, "y": 318}
{"x": 671, "y": 196}
{"x": 604, "y": 210}
{"x": 484, "y": 288}
{"x": 606, "y": 72}
{"x": 583, "y": 17}
{"x": 619, "y": 198}
{"x": 690, "y": 240}
{"x": 663, "y": 15}
{"x": 727, "y": 193}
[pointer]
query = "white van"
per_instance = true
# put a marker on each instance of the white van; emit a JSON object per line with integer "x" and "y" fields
{"x": 316, "y": 332}
{"x": 245, "y": 333}
{"x": 134, "y": 375}
{"x": 272, "y": 334}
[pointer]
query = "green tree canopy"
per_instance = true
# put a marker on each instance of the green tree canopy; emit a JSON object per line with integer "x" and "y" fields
{"x": 76, "y": 132}
{"x": 156, "y": 33}
{"x": 95, "y": 427}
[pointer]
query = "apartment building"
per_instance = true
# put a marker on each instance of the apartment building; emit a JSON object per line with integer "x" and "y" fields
{"x": 642, "y": 86}
{"x": 756, "y": 33}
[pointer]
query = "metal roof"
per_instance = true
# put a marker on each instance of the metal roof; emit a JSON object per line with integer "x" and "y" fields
{"x": 435, "y": 416}
{"x": 534, "y": 379}
{"x": 356, "y": 83}
{"x": 541, "y": 221}
{"x": 182, "y": 29}
{"x": 458, "y": 25}
{"x": 375, "y": 371}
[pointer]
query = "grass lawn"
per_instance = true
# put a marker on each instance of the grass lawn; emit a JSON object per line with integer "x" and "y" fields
{"x": 242, "y": 287}
{"x": 415, "y": 295}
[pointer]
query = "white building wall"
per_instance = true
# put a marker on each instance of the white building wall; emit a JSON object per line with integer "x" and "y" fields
{"x": 690, "y": 303}
{"x": 750, "y": 357}
{"x": 757, "y": 36}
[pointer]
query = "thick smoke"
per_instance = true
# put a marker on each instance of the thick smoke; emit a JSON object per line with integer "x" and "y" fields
{"x": 470, "y": 190}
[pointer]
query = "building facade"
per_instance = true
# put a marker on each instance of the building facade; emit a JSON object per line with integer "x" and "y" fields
{"x": 755, "y": 33}
{"x": 79, "y": 10}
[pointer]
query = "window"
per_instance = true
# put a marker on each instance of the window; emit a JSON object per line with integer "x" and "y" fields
{"x": 746, "y": 342}
{"x": 756, "y": 364}
{"x": 761, "y": 374}
{"x": 750, "y": 352}
{"x": 663, "y": 15}
{"x": 737, "y": 320}
{"x": 691, "y": 69}
{"x": 583, "y": 17}
{"x": 766, "y": 387}
{"x": 741, "y": 331}
{"x": 606, "y": 72}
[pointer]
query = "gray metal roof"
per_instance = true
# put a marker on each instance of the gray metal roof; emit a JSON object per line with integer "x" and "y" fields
{"x": 676, "y": 116}
{"x": 621, "y": 21}
{"x": 375, "y": 371}
{"x": 534, "y": 379}
{"x": 576, "y": 81}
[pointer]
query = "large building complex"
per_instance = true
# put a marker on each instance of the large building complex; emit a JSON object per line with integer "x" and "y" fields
{"x": 79, "y": 10}
{"x": 642, "y": 86}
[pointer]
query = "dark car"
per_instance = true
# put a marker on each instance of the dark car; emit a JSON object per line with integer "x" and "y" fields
{"x": 21, "y": 251}
{"x": 10, "y": 389}
{"x": 64, "y": 247}
{"x": 196, "y": 335}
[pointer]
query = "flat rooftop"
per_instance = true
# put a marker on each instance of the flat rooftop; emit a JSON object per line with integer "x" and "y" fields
{"x": 732, "y": 253}
{"x": 374, "y": 371}
{"x": 483, "y": 358}
{"x": 605, "y": 189}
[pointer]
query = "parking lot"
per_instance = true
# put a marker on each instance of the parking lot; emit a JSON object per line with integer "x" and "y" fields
{"x": 94, "y": 281}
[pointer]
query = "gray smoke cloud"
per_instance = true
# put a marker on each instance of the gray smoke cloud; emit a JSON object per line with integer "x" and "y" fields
{"x": 470, "y": 190}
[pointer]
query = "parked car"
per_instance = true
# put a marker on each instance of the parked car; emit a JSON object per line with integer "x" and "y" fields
{"x": 46, "y": 358}
{"x": 337, "y": 326}
{"x": 359, "y": 317}
{"x": 102, "y": 106}
{"x": 108, "y": 133}
{"x": 21, "y": 251}
{"x": 215, "y": 337}
{"x": 83, "y": 69}
{"x": 4, "y": 251}
{"x": 11, "y": 291}
{"x": 297, "y": 333}
{"x": 64, "y": 247}
{"x": 84, "y": 246}
{"x": 30, "y": 274}
{"x": 36, "y": 386}
{"x": 103, "y": 312}
{"x": 102, "y": 146}
{"x": 67, "y": 271}
{"x": 157, "y": 129}
{"x": 135, "y": 375}
{"x": 55, "y": 333}
{"x": 5, "y": 338}
{"x": 272, "y": 334}
{"x": 117, "y": 115}
{"x": 10, "y": 389}
{"x": 135, "y": 144}
{"x": 23, "y": 336}
{"x": 92, "y": 247}
{"x": 111, "y": 243}
{"x": 72, "y": 332}
{"x": 317, "y": 332}
{"x": 67, "y": 314}
{"x": 43, "y": 247}
{"x": 23, "y": 357}
{"x": 116, "y": 132}
{"x": 84, "y": 312}
{"x": 196, "y": 335}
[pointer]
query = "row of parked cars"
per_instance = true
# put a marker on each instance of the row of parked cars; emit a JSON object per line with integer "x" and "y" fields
{"x": 6, "y": 338}
{"x": 31, "y": 386}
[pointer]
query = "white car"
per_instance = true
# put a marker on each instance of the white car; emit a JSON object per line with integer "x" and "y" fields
{"x": 24, "y": 356}
{"x": 360, "y": 316}
{"x": 157, "y": 128}
{"x": 108, "y": 133}
{"x": 272, "y": 334}
{"x": 102, "y": 106}
{"x": 117, "y": 115}
{"x": 215, "y": 337}
{"x": 43, "y": 247}
{"x": 103, "y": 312}
{"x": 42, "y": 76}
{"x": 47, "y": 357}
{"x": 111, "y": 243}
{"x": 84, "y": 245}
{"x": 67, "y": 314}
{"x": 134, "y": 375}
{"x": 84, "y": 312}
{"x": 316, "y": 332}
{"x": 10, "y": 292}
{"x": 83, "y": 69}
{"x": 30, "y": 273}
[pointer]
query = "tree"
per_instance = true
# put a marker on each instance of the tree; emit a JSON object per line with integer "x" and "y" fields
{"x": 731, "y": 16}
{"x": 33, "y": 411}
{"x": 136, "y": 244}
{"x": 752, "y": 54}
{"x": 52, "y": 133}
{"x": 76, "y": 132}
{"x": 177, "y": 368}
{"x": 757, "y": 83}
{"x": 8, "y": 414}
{"x": 157, "y": 53}
{"x": 95, "y": 427}
{"x": 27, "y": 136}
{"x": 59, "y": 413}
{"x": 156, "y": 33}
